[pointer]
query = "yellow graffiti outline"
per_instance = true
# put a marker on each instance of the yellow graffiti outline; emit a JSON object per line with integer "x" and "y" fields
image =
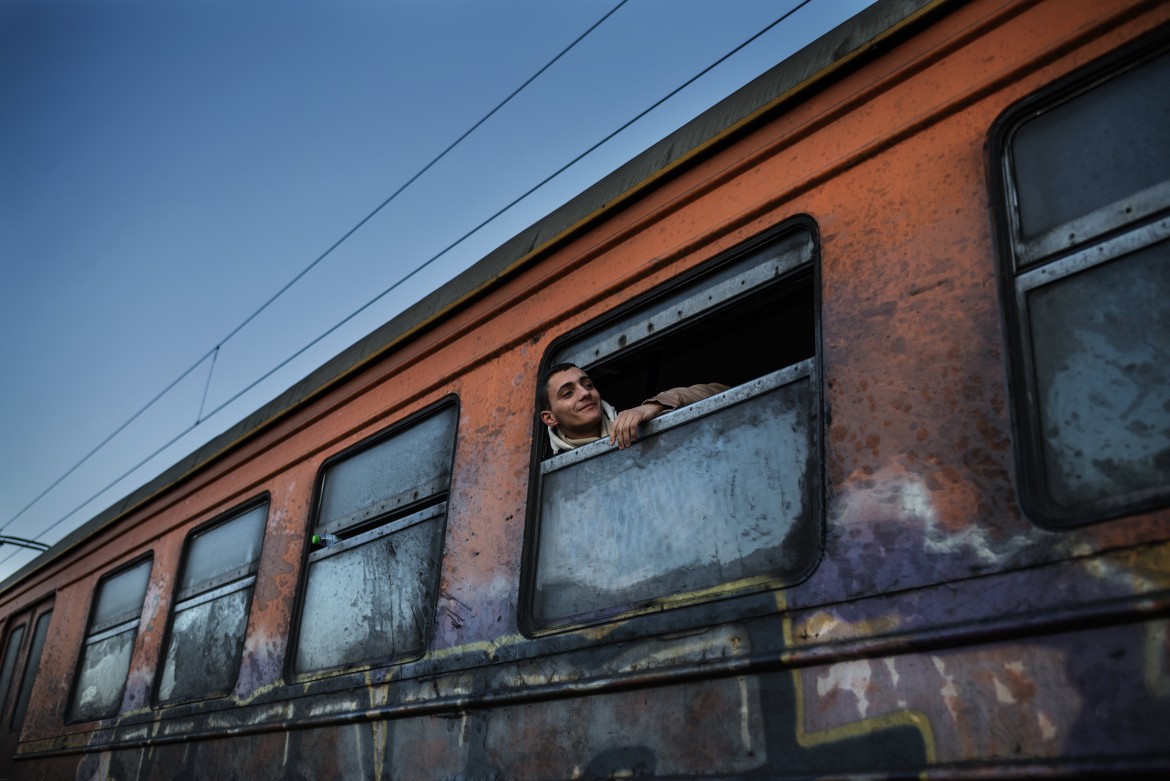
{"x": 904, "y": 718}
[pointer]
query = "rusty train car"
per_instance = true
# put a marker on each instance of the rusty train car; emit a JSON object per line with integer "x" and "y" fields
{"x": 925, "y": 533}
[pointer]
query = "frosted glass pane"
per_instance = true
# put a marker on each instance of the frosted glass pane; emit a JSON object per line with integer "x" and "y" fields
{"x": 103, "y": 677}
{"x": 410, "y": 466}
{"x": 1101, "y": 340}
{"x": 203, "y": 656}
{"x": 10, "y": 653}
{"x": 30, "y": 669}
{"x": 1095, "y": 150}
{"x": 373, "y": 602}
{"x": 120, "y": 597}
{"x": 224, "y": 548}
{"x": 724, "y": 497}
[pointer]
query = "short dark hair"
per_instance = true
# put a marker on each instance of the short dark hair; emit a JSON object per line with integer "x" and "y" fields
{"x": 544, "y": 378}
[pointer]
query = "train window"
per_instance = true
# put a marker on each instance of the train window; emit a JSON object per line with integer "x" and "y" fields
{"x": 211, "y": 610}
{"x": 715, "y": 499}
{"x": 378, "y": 528}
{"x": 1084, "y": 173}
{"x": 8, "y": 666}
{"x": 18, "y": 671}
{"x": 30, "y": 670}
{"x": 109, "y": 643}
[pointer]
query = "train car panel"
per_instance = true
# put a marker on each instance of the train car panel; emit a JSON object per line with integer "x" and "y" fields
{"x": 921, "y": 618}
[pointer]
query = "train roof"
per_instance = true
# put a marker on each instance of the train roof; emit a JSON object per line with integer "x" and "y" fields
{"x": 839, "y": 51}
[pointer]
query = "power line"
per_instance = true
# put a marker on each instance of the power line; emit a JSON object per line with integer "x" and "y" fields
{"x": 425, "y": 263}
{"x": 215, "y": 350}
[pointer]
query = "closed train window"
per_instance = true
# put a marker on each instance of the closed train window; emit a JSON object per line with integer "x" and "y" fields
{"x": 109, "y": 643}
{"x": 715, "y": 499}
{"x": 31, "y": 663}
{"x": 206, "y": 640}
{"x": 18, "y": 668}
{"x": 1083, "y": 170}
{"x": 12, "y": 647}
{"x": 378, "y": 537}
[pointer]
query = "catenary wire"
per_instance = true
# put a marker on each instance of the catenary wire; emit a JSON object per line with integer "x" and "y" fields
{"x": 215, "y": 350}
{"x": 430, "y": 260}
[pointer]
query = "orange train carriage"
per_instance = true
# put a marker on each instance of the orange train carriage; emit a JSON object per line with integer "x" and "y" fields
{"x": 925, "y": 531}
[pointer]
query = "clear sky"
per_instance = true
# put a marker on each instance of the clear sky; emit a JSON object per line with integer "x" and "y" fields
{"x": 167, "y": 167}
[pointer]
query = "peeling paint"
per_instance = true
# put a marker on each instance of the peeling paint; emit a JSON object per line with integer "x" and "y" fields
{"x": 1002, "y": 693}
{"x": 949, "y": 691}
{"x": 1047, "y": 728}
{"x": 853, "y": 677}
{"x": 891, "y": 666}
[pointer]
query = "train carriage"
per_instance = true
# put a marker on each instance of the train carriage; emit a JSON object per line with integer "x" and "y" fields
{"x": 924, "y": 532}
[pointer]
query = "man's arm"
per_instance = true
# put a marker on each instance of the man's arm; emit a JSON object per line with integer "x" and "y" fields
{"x": 625, "y": 426}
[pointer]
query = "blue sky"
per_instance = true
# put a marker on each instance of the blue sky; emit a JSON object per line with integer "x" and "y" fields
{"x": 166, "y": 168}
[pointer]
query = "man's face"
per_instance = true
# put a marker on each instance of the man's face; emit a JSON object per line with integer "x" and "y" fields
{"x": 575, "y": 405}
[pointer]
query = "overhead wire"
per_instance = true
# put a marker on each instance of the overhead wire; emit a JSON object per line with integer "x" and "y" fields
{"x": 495, "y": 215}
{"x": 353, "y": 229}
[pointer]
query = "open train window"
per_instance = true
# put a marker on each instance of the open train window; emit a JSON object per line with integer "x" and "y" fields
{"x": 716, "y": 499}
{"x": 378, "y": 538}
{"x": 109, "y": 643}
{"x": 210, "y": 617}
{"x": 1083, "y": 176}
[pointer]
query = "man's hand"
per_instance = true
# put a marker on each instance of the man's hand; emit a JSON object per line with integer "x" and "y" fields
{"x": 625, "y": 426}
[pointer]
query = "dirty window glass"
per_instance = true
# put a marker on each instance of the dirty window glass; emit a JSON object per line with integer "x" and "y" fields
{"x": 716, "y": 498}
{"x": 725, "y": 519}
{"x": 213, "y": 556}
{"x": 372, "y": 600}
{"x": 376, "y": 546}
{"x": 1090, "y": 355}
{"x": 120, "y": 598}
{"x": 211, "y": 614}
{"x": 11, "y": 651}
{"x": 105, "y": 657}
{"x": 411, "y": 467}
{"x": 30, "y": 669}
{"x": 1106, "y": 146}
{"x": 1102, "y": 370}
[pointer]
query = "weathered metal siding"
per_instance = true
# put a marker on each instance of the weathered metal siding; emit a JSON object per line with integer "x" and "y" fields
{"x": 941, "y": 627}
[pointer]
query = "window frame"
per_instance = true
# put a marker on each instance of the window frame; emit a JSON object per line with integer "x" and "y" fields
{"x": 1106, "y": 235}
{"x": 238, "y": 579}
{"x": 368, "y": 525}
{"x": 108, "y": 629}
{"x": 23, "y": 668}
{"x": 698, "y": 607}
{"x": 42, "y": 616}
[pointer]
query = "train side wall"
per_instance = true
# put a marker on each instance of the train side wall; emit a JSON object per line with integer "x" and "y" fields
{"x": 941, "y": 627}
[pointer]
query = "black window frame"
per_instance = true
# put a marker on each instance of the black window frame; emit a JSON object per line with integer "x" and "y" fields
{"x": 1109, "y": 235}
{"x": 702, "y": 607}
{"x": 108, "y": 628}
{"x": 19, "y": 666}
{"x": 398, "y": 514}
{"x": 239, "y": 579}
{"x": 31, "y": 665}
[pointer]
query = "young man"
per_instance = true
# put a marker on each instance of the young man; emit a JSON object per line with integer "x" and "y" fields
{"x": 576, "y": 415}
